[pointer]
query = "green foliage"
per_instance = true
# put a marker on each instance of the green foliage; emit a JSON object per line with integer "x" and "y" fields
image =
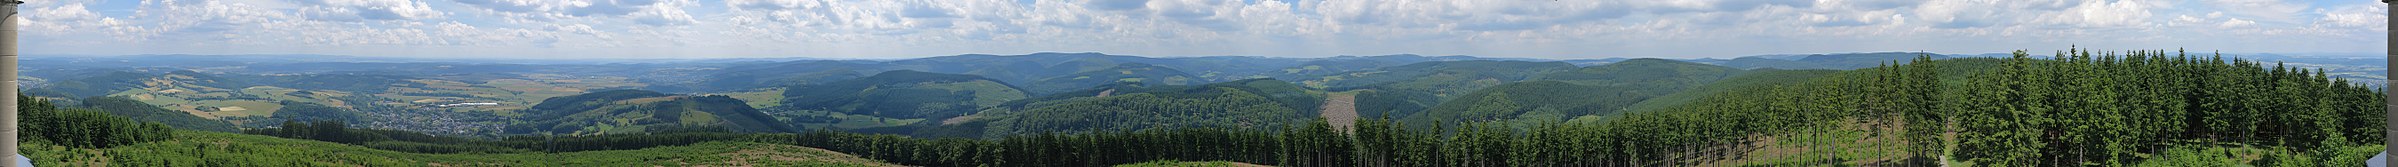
{"x": 564, "y": 105}
{"x": 1751, "y": 81}
{"x": 1317, "y": 144}
{"x": 634, "y": 111}
{"x": 1248, "y": 104}
{"x": 43, "y": 122}
{"x": 1394, "y": 103}
{"x": 2086, "y": 107}
{"x": 109, "y": 82}
{"x": 1407, "y": 89}
{"x": 901, "y": 94}
{"x": 304, "y": 111}
{"x": 1596, "y": 90}
{"x": 1134, "y": 72}
{"x": 145, "y": 112}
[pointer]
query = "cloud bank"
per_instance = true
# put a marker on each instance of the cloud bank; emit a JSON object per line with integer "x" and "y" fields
{"x": 1299, "y": 28}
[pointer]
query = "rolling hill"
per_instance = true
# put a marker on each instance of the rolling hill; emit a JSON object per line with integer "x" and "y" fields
{"x": 892, "y": 98}
{"x": 1127, "y": 72}
{"x": 1406, "y": 89}
{"x": 1556, "y": 97}
{"x": 1244, "y": 104}
{"x": 636, "y": 111}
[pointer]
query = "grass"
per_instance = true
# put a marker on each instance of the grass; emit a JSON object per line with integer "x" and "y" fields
{"x": 227, "y": 108}
{"x": 246, "y": 107}
{"x": 193, "y": 148}
{"x": 272, "y": 93}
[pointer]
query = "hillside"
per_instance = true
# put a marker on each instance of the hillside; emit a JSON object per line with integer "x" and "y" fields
{"x": 902, "y": 94}
{"x": 1751, "y": 81}
{"x": 1407, "y": 89}
{"x": 1555, "y": 97}
{"x": 877, "y": 101}
{"x": 1245, "y": 104}
{"x": 635, "y": 111}
{"x": 1127, "y": 72}
{"x": 145, "y": 112}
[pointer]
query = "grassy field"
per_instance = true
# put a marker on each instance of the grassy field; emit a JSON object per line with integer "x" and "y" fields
{"x": 180, "y": 101}
{"x": 193, "y": 148}
{"x": 271, "y": 93}
{"x": 239, "y": 108}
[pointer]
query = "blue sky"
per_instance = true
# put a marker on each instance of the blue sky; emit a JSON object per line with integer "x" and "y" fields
{"x": 578, "y": 29}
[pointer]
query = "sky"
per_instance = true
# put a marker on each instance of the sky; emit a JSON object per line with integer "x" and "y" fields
{"x": 881, "y": 29}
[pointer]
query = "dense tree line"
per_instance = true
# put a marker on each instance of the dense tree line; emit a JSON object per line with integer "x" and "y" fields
{"x": 121, "y": 106}
{"x": 2085, "y": 107}
{"x": 82, "y": 128}
{"x": 1257, "y": 104}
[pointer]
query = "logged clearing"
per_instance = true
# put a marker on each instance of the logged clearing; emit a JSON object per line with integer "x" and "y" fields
{"x": 1341, "y": 110}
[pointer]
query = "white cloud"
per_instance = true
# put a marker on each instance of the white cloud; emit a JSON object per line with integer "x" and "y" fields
{"x": 369, "y": 9}
{"x": 2262, "y": 9}
{"x": 2236, "y": 22}
{"x": 2371, "y": 16}
{"x": 884, "y": 28}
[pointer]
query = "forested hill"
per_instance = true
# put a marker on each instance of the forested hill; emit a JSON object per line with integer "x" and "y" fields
{"x": 1245, "y": 104}
{"x": 901, "y": 94}
{"x": 149, "y": 113}
{"x": 1402, "y": 90}
{"x": 635, "y": 111}
{"x": 1127, "y": 72}
{"x": 1556, "y": 97}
